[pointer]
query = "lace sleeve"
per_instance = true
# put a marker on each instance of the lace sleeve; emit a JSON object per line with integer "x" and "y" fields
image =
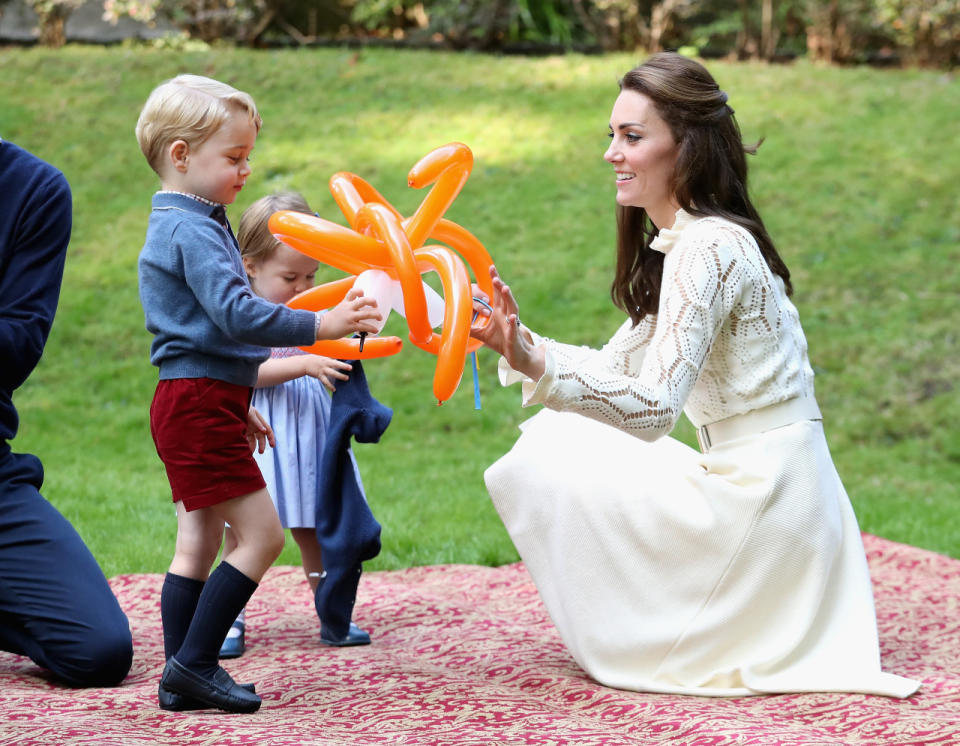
{"x": 623, "y": 353}
{"x": 644, "y": 394}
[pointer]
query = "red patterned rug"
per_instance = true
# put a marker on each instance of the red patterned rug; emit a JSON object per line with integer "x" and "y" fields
{"x": 467, "y": 655}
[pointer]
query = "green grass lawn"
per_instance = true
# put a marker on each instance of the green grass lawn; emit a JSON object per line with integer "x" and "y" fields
{"x": 856, "y": 180}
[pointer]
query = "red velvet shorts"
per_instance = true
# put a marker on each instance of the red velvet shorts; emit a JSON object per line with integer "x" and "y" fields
{"x": 199, "y": 426}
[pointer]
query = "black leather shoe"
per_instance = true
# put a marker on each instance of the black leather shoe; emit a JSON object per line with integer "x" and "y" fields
{"x": 173, "y": 702}
{"x": 219, "y": 691}
{"x": 354, "y": 636}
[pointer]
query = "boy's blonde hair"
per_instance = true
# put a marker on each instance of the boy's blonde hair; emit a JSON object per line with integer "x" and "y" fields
{"x": 256, "y": 241}
{"x": 189, "y": 108}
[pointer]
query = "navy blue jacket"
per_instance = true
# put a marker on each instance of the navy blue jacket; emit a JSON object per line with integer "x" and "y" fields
{"x": 347, "y": 532}
{"x": 35, "y": 221}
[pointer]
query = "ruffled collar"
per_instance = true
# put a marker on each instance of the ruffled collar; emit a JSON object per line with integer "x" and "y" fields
{"x": 665, "y": 240}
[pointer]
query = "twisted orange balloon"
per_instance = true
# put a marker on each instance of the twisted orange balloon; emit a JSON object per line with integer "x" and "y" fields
{"x": 379, "y": 237}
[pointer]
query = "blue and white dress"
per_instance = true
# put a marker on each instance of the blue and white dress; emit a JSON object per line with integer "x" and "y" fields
{"x": 299, "y": 413}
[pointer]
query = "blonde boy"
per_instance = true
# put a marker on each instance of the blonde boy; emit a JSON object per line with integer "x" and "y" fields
{"x": 210, "y": 335}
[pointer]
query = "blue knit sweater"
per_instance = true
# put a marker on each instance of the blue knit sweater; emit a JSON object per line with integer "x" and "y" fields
{"x": 35, "y": 221}
{"x": 206, "y": 321}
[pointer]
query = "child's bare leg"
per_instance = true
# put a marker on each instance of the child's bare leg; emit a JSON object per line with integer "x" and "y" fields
{"x": 199, "y": 533}
{"x": 255, "y": 525}
{"x": 259, "y": 540}
{"x": 310, "y": 554}
{"x": 229, "y": 541}
{"x": 198, "y": 539}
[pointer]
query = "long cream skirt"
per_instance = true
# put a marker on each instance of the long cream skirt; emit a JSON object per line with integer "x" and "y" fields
{"x": 737, "y": 572}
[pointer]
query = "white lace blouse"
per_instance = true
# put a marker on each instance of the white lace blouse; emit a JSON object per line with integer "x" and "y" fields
{"x": 725, "y": 340}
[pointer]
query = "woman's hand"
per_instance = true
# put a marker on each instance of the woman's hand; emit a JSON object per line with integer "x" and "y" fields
{"x": 355, "y": 313}
{"x": 325, "y": 369}
{"x": 259, "y": 433}
{"x": 503, "y": 332}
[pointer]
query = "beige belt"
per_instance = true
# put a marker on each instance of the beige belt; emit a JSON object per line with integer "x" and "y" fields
{"x": 758, "y": 421}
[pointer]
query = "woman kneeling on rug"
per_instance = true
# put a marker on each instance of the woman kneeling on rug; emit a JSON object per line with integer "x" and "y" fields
{"x": 739, "y": 570}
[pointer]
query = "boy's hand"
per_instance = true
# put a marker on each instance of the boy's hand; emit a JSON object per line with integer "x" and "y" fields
{"x": 259, "y": 433}
{"x": 326, "y": 369}
{"x": 355, "y": 313}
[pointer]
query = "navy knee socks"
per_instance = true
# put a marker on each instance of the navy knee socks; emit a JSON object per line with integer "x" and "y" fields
{"x": 178, "y": 602}
{"x": 224, "y": 594}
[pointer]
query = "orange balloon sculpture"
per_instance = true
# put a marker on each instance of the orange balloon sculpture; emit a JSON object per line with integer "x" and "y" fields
{"x": 380, "y": 238}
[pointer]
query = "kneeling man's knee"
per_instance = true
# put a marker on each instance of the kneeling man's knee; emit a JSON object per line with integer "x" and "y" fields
{"x": 101, "y": 658}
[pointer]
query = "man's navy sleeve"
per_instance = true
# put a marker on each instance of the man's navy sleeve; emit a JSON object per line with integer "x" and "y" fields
{"x": 35, "y": 223}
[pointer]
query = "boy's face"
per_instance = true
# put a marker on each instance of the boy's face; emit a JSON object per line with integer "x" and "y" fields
{"x": 218, "y": 168}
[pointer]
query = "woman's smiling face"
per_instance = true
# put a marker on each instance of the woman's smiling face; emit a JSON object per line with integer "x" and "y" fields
{"x": 644, "y": 154}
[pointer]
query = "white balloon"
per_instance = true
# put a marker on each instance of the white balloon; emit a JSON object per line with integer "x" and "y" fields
{"x": 435, "y": 305}
{"x": 377, "y": 284}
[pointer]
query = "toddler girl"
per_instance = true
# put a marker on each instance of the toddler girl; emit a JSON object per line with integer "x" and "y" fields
{"x": 290, "y": 394}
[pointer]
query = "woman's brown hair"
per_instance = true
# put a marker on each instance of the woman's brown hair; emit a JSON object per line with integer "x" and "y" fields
{"x": 710, "y": 177}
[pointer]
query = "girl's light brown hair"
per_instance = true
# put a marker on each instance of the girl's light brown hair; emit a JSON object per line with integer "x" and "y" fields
{"x": 710, "y": 177}
{"x": 256, "y": 241}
